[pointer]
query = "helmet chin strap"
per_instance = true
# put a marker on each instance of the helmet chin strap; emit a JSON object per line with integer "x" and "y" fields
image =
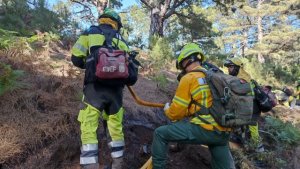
{"x": 190, "y": 61}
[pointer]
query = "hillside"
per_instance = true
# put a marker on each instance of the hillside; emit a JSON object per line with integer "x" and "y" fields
{"x": 39, "y": 128}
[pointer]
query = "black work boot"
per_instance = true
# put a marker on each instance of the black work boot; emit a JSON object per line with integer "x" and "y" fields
{"x": 117, "y": 163}
{"x": 91, "y": 166}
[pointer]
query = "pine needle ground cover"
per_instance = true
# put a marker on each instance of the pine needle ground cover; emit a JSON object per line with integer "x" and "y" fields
{"x": 38, "y": 104}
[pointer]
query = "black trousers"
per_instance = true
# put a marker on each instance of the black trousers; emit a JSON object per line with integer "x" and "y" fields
{"x": 108, "y": 98}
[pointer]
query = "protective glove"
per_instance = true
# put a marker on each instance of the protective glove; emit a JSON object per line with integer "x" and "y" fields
{"x": 167, "y": 105}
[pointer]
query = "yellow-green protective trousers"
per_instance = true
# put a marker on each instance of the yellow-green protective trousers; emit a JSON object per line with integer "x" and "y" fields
{"x": 254, "y": 134}
{"x": 89, "y": 120}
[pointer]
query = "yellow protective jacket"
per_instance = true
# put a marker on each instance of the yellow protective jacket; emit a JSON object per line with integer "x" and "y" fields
{"x": 192, "y": 85}
{"x": 91, "y": 40}
{"x": 244, "y": 75}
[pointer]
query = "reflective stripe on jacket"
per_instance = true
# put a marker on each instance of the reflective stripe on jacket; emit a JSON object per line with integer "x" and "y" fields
{"x": 93, "y": 39}
{"x": 192, "y": 85}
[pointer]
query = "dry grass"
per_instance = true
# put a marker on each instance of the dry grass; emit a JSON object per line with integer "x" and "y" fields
{"x": 42, "y": 111}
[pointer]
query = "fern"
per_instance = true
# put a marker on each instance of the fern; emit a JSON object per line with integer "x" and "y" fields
{"x": 8, "y": 78}
{"x": 284, "y": 132}
{"x": 6, "y": 38}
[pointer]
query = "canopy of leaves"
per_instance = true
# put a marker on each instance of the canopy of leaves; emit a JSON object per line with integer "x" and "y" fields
{"x": 25, "y": 17}
{"x": 277, "y": 41}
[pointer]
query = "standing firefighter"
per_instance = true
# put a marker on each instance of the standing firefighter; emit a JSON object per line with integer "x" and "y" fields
{"x": 102, "y": 98}
{"x": 235, "y": 67}
{"x": 192, "y": 87}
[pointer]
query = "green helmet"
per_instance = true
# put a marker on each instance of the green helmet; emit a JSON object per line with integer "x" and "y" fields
{"x": 109, "y": 13}
{"x": 187, "y": 51}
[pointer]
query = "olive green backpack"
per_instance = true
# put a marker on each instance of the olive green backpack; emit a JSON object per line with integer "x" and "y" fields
{"x": 233, "y": 99}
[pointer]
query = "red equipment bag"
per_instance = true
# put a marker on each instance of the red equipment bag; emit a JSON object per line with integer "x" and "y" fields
{"x": 112, "y": 64}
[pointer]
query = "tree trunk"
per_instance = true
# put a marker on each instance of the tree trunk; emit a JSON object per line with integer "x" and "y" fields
{"x": 101, "y": 5}
{"x": 260, "y": 57}
{"x": 156, "y": 26}
{"x": 245, "y": 42}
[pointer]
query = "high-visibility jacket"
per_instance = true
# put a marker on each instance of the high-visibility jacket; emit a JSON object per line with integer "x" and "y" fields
{"x": 193, "y": 85}
{"x": 91, "y": 40}
{"x": 244, "y": 75}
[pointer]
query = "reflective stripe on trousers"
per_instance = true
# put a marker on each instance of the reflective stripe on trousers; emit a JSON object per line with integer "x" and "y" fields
{"x": 89, "y": 154}
{"x": 117, "y": 148}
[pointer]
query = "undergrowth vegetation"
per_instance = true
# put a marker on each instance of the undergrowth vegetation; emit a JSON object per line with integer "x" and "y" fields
{"x": 285, "y": 133}
{"x": 9, "y": 78}
{"x": 279, "y": 139}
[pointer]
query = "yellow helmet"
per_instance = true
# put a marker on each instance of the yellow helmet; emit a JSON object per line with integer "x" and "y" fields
{"x": 188, "y": 50}
{"x": 235, "y": 61}
{"x": 109, "y": 16}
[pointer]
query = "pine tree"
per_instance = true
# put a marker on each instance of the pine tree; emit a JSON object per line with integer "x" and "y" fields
{"x": 268, "y": 30}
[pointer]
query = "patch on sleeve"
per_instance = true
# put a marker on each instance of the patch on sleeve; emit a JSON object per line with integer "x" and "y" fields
{"x": 201, "y": 81}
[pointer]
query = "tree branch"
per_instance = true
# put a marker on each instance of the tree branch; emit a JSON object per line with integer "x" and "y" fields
{"x": 173, "y": 8}
{"x": 86, "y": 7}
{"x": 165, "y": 7}
{"x": 147, "y": 4}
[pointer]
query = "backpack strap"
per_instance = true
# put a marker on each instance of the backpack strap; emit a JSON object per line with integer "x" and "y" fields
{"x": 109, "y": 34}
{"x": 204, "y": 111}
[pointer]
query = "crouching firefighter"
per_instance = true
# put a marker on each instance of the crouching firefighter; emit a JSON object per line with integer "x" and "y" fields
{"x": 103, "y": 53}
{"x": 192, "y": 91}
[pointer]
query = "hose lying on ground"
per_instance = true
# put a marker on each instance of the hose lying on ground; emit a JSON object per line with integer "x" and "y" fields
{"x": 142, "y": 102}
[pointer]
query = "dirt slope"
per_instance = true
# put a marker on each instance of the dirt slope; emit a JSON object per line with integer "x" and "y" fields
{"x": 38, "y": 125}
{"x": 38, "y": 122}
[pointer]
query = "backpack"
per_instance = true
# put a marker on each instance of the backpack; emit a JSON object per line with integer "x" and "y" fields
{"x": 233, "y": 102}
{"x": 265, "y": 98}
{"x": 109, "y": 65}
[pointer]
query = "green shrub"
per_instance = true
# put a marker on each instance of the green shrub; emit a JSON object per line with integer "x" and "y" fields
{"x": 161, "y": 52}
{"x": 161, "y": 79}
{"x": 9, "y": 78}
{"x": 284, "y": 132}
{"x": 6, "y": 38}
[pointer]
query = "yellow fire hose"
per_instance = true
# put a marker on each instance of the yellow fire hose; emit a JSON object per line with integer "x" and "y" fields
{"x": 148, "y": 164}
{"x": 142, "y": 102}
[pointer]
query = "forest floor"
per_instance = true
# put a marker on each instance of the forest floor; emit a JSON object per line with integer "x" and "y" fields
{"x": 39, "y": 128}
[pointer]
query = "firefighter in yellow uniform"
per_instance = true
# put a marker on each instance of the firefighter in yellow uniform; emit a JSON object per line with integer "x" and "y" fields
{"x": 100, "y": 101}
{"x": 235, "y": 67}
{"x": 191, "y": 86}
{"x": 286, "y": 97}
